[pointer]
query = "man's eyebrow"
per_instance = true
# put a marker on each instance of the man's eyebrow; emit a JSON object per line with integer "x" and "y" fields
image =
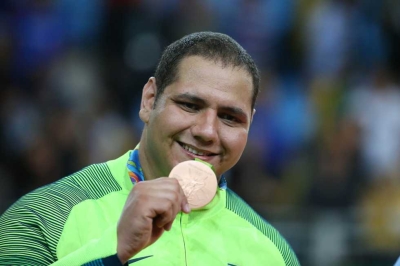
{"x": 190, "y": 97}
{"x": 234, "y": 111}
{"x": 195, "y": 99}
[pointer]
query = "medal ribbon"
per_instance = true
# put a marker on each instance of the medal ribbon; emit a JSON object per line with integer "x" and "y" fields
{"x": 134, "y": 168}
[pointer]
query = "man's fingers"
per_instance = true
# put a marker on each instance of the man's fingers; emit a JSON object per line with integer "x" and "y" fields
{"x": 158, "y": 222}
{"x": 164, "y": 218}
{"x": 184, "y": 202}
{"x": 149, "y": 211}
{"x": 168, "y": 226}
{"x": 184, "y": 205}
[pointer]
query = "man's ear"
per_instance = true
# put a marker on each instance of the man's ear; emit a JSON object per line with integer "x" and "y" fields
{"x": 148, "y": 99}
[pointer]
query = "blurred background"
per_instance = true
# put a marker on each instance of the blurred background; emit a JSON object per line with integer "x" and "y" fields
{"x": 323, "y": 158}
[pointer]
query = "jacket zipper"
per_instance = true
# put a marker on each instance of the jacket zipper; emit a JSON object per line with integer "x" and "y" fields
{"x": 183, "y": 237}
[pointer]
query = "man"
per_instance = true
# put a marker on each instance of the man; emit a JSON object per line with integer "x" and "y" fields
{"x": 200, "y": 104}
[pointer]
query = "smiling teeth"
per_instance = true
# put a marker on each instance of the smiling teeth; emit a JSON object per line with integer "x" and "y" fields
{"x": 192, "y": 150}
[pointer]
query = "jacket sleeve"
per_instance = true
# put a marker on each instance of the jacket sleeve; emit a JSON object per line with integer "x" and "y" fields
{"x": 22, "y": 241}
{"x": 25, "y": 240}
{"x": 98, "y": 252}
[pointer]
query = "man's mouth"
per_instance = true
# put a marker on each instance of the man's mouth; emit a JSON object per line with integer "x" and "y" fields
{"x": 195, "y": 151}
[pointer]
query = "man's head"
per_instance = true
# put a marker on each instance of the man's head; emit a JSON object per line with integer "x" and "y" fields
{"x": 212, "y": 46}
{"x": 203, "y": 110}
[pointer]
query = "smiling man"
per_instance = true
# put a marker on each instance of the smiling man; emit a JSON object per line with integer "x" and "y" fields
{"x": 200, "y": 104}
{"x": 206, "y": 113}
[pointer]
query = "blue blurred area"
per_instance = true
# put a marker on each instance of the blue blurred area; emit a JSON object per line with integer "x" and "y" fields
{"x": 323, "y": 158}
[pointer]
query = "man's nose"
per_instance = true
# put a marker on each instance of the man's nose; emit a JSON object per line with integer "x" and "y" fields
{"x": 206, "y": 126}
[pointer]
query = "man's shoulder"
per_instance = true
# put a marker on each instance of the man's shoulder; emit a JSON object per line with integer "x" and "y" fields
{"x": 39, "y": 217}
{"x": 241, "y": 208}
{"x": 237, "y": 205}
{"x": 91, "y": 182}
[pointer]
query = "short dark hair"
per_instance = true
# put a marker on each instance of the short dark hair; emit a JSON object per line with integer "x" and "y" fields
{"x": 211, "y": 46}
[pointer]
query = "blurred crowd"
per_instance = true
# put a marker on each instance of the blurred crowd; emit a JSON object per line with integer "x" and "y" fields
{"x": 323, "y": 157}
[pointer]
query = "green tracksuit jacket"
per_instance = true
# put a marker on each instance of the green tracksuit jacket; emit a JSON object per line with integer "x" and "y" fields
{"x": 74, "y": 222}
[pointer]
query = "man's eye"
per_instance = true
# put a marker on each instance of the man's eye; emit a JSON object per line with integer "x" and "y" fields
{"x": 229, "y": 118}
{"x": 189, "y": 106}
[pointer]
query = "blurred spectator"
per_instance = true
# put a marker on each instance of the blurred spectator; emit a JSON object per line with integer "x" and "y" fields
{"x": 260, "y": 26}
{"x": 38, "y": 36}
{"x": 370, "y": 44}
{"x": 82, "y": 21}
{"x": 328, "y": 37}
{"x": 109, "y": 135}
{"x": 283, "y": 122}
{"x": 375, "y": 107}
{"x": 390, "y": 21}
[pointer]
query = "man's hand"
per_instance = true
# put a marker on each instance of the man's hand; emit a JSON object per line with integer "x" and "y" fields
{"x": 149, "y": 210}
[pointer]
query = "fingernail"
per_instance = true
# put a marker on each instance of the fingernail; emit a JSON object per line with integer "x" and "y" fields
{"x": 168, "y": 227}
{"x": 186, "y": 208}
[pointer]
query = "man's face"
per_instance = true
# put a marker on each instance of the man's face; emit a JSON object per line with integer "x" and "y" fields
{"x": 206, "y": 114}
